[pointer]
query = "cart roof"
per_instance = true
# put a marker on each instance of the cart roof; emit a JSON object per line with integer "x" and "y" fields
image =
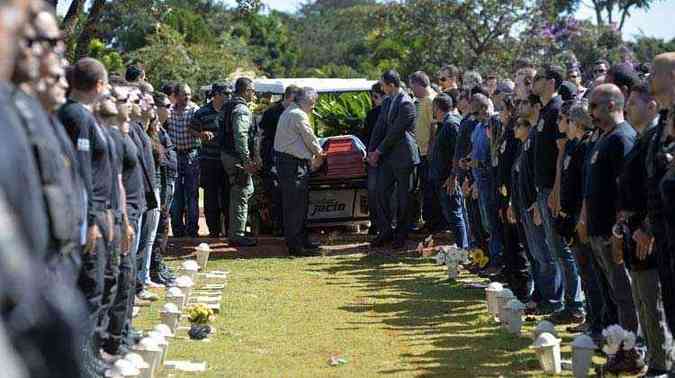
{"x": 278, "y": 86}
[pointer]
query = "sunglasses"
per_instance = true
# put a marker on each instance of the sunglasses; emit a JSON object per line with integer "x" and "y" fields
{"x": 443, "y": 79}
{"x": 165, "y": 106}
{"x": 121, "y": 100}
{"x": 600, "y": 70}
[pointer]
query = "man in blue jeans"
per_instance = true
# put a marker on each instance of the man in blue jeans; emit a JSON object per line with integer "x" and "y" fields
{"x": 546, "y": 177}
{"x": 484, "y": 180}
{"x": 448, "y": 191}
{"x": 187, "y": 183}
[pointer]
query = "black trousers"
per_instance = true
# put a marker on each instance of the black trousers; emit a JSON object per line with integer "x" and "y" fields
{"x": 294, "y": 183}
{"x": 401, "y": 178}
{"x": 90, "y": 280}
{"x": 664, "y": 257}
{"x": 110, "y": 284}
{"x": 119, "y": 309}
{"x": 216, "y": 187}
{"x": 515, "y": 259}
{"x": 272, "y": 189}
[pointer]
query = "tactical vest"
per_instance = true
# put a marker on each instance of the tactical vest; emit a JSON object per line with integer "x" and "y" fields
{"x": 54, "y": 165}
{"x": 226, "y": 129}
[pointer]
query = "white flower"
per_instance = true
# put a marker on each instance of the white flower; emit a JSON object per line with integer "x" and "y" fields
{"x": 629, "y": 341}
{"x": 610, "y": 350}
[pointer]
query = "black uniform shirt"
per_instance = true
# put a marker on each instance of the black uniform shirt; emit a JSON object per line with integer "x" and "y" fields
{"x": 19, "y": 178}
{"x": 91, "y": 147}
{"x": 545, "y": 144}
{"x": 572, "y": 177}
{"x": 605, "y": 166}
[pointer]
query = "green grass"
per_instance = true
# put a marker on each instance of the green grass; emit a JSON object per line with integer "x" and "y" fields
{"x": 396, "y": 316}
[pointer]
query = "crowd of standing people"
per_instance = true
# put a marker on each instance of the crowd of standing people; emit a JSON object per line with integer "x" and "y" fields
{"x": 569, "y": 188}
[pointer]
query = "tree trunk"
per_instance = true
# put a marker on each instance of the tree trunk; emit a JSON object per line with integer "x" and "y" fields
{"x": 72, "y": 16}
{"x": 89, "y": 29}
{"x": 624, "y": 16}
{"x": 598, "y": 12}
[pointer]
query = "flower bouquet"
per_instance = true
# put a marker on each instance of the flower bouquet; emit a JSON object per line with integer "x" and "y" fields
{"x": 199, "y": 315}
{"x": 622, "y": 354}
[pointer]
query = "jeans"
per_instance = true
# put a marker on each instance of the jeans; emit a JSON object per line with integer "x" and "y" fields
{"x": 487, "y": 202}
{"x": 453, "y": 212}
{"x": 186, "y": 196}
{"x": 148, "y": 234}
{"x": 566, "y": 265}
{"x": 241, "y": 189}
{"x": 619, "y": 282}
{"x": 294, "y": 182}
{"x": 216, "y": 195}
{"x": 131, "y": 297}
{"x": 543, "y": 266}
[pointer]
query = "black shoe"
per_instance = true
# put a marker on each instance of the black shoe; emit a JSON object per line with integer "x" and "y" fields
{"x": 398, "y": 243}
{"x": 243, "y": 242}
{"x": 214, "y": 236}
{"x": 567, "y": 317}
{"x": 312, "y": 245}
{"x": 301, "y": 252}
{"x": 381, "y": 240}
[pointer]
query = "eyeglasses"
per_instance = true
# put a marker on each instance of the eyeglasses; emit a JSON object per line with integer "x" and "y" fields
{"x": 600, "y": 70}
{"x": 165, "y": 106}
{"x": 443, "y": 79}
{"x": 574, "y": 76}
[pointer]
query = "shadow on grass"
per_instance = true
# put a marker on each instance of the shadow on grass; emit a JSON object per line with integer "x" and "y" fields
{"x": 447, "y": 321}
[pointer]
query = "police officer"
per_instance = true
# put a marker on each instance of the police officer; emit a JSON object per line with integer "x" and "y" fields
{"x": 213, "y": 177}
{"x": 236, "y": 139}
{"x": 88, "y": 81}
{"x": 652, "y": 236}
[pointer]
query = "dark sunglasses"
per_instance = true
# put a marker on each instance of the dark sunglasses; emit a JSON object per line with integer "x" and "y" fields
{"x": 165, "y": 106}
{"x": 600, "y": 70}
{"x": 443, "y": 79}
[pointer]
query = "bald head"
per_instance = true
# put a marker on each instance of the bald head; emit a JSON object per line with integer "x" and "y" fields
{"x": 662, "y": 79}
{"x": 607, "y": 93}
{"x": 607, "y": 105}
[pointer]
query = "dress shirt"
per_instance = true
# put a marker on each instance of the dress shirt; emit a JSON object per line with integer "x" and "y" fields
{"x": 295, "y": 136}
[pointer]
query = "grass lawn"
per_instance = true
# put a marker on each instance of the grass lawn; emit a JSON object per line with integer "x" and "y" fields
{"x": 397, "y": 316}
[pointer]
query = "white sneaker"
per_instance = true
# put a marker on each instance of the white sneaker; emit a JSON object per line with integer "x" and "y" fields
{"x": 153, "y": 285}
{"x": 148, "y": 296}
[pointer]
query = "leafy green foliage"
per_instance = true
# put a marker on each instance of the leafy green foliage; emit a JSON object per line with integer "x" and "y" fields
{"x": 109, "y": 57}
{"x": 341, "y": 114}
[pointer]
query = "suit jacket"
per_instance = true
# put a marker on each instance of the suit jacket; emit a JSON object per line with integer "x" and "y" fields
{"x": 394, "y": 134}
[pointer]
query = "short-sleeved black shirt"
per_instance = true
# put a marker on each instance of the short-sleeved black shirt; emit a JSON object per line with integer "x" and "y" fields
{"x": 132, "y": 176}
{"x": 207, "y": 119}
{"x": 545, "y": 144}
{"x": 572, "y": 177}
{"x": 91, "y": 148}
{"x": 605, "y": 166}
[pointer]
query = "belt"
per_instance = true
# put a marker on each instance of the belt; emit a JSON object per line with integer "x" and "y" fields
{"x": 286, "y": 156}
{"x": 186, "y": 152}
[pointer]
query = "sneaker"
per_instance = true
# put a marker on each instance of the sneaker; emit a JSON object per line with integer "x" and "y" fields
{"x": 579, "y": 328}
{"x": 153, "y": 285}
{"x": 148, "y": 296}
{"x": 140, "y": 302}
{"x": 567, "y": 317}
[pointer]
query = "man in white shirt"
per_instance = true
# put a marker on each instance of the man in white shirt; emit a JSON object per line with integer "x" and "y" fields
{"x": 295, "y": 145}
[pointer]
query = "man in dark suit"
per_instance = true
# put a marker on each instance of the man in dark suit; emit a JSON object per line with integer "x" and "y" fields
{"x": 393, "y": 150}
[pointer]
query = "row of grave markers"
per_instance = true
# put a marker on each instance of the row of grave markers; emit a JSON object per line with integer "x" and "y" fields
{"x": 148, "y": 357}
